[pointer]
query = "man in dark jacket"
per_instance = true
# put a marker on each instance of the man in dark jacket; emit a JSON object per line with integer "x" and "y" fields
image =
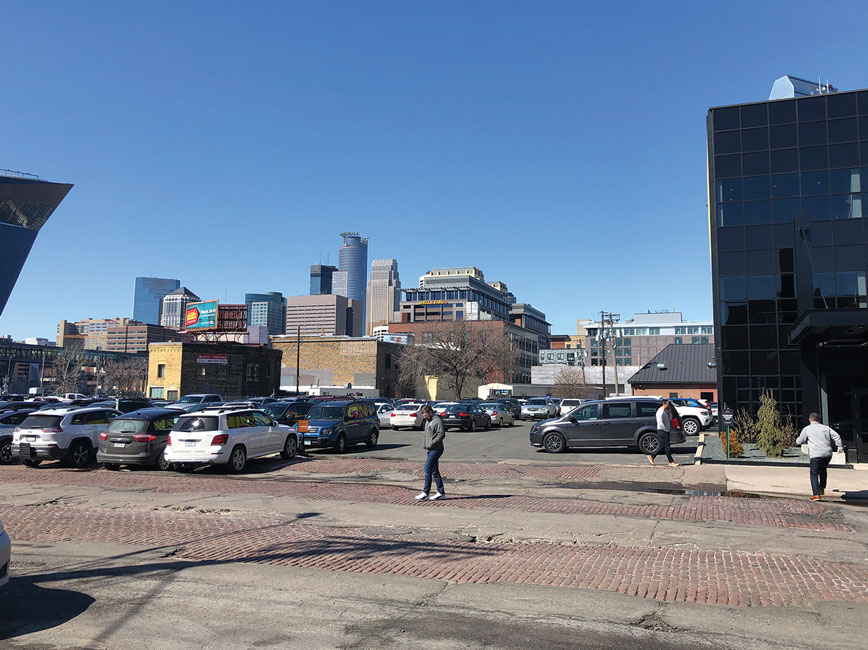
{"x": 434, "y": 435}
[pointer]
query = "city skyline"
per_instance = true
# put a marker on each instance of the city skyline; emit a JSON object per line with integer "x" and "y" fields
{"x": 517, "y": 174}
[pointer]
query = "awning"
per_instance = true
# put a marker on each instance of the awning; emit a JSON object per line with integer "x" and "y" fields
{"x": 832, "y": 326}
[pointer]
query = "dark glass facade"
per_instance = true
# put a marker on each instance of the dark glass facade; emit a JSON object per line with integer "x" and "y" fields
{"x": 788, "y": 201}
{"x": 25, "y": 206}
{"x": 321, "y": 279}
{"x": 146, "y": 301}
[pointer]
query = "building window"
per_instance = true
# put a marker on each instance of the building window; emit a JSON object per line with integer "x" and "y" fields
{"x": 156, "y": 392}
{"x": 653, "y": 331}
{"x": 704, "y": 339}
{"x": 677, "y": 340}
{"x": 202, "y": 371}
{"x": 161, "y": 370}
{"x": 694, "y": 340}
{"x": 388, "y": 361}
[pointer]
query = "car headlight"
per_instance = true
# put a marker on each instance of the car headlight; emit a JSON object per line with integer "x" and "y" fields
{"x": 325, "y": 432}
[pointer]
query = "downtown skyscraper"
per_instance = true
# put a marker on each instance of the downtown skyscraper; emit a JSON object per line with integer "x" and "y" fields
{"x": 352, "y": 260}
{"x": 383, "y": 295}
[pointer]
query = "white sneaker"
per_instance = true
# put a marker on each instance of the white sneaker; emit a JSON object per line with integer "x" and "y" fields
{"x": 421, "y": 496}
{"x": 439, "y": 495}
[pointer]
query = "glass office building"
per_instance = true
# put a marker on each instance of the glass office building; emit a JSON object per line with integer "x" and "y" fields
{"x": 146, "y": 300}
{"x": 25, "y": 205}
{"x": 321, "y": 279}
{"x": 353, "y": 259}
{"x": 267, "y": 310}
{"x": 788, "y": 196}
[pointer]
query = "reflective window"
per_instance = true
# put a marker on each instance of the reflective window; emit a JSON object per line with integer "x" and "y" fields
{"x": 763, "y": 337}
{"x": 849, "y": 258}
{"x": 843, "y": 130}
{"x": 617, "y": 410}
{"x": 761, "y": 287}
{"x": 734, "y": 337}
{"x": 816, "y": 207}
{"x": 754, "y": 139}
{"x": 761, "y": 311}
{"x": 812, "y": 133}
{"x": 729, "y": 190}
{"x": 588, "y": 412}
{"x": 757, "y": 212}
{"x": 785, "y": 185}
{"x": 755, "y": 187}
{"x": 731, "y": 263}
{"x": 863, "y": 128}
{"x": 730, "y": 239}
{"x": 755, "y": 163}
{"x": 785, "y": 210}
{"x": 844, "y": 155}
{"x": 782, "y": 137}
{"x": 726, "y": 118}
{"x": 733, "y": 288}
{"x": 814, "y": 158}
{"x": 754, "y": 115}
{"x": 782, "y": 112}
{"x": 727, "y": 142}
{"x": 824, "y": 290}
{"x": 735, "y": 363}
{"x": 814, "y": 183}
{"x": 846, "y": 206}
{"x": 730, "y": 214}
{"x": 851, "y": 290}
{"x": 785, "y": 160}
{"x": 841, "y": 104}
{"x": 844, "y": 181}
{"x": 786, "y": 286}
{"x": 733, "y": 313}
{"x": 812, "y": 108}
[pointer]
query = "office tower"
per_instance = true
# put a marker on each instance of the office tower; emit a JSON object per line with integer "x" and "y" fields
{"x": 146, "y": 301}
{"x": 173, "y": 307}
{"x": 383, "y": 296}
{"x": 268, "y": 310}
{"x": 325, "y": 315}
{"x": 321, "y": 279}
{"x": 789, "y": 249}
{"x": 353, "y": 259}
{"x": 25, "y": 206}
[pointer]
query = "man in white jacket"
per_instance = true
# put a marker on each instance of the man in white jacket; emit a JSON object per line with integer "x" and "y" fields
{"x": 819, "y": 438}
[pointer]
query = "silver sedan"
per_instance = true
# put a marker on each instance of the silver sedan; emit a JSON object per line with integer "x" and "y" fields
{"x": 500, "y": 414}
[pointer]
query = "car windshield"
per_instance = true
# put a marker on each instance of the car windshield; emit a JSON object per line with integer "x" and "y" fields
{"x": 120, "y": 425}
{"x": 275, "y": 410}
{"x": 493, "y": 407}
{"x": 41, "y": 421}
{"x": 196, "y": 424}
{"x": 537, "y": 401}
{"x": 326, "y": 413}
{"x": 190, "y": 399}
{"x": 455, "y": 408}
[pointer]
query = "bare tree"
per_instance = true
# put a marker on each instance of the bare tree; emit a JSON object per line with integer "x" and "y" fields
{"x": 570, "y": 384}
{"x": 68, "y": 364}
{"x": 457, "y": 352}
{"x": 126, "y": 376}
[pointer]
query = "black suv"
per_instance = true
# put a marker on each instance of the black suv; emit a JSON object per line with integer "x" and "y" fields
{"x": 606, "y": 423}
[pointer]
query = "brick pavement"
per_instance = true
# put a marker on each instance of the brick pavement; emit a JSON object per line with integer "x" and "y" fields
{"x": 663, "y": 574}
{"x": 778, "y": 513}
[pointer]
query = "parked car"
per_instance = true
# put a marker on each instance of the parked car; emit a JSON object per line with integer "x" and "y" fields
{"x": 569, "y": 404}
{"x": 260, "y": 401}
{"x": 557, "y": 402}
{"x": 5, "y": 555}
{"x": 539, "y": 408}
{"x": 694, "y": 417}
{"x": 510, "y": 402}
{"x": 125, "y": 404}
{"x": 713, "y": 409}
{"x": 67, "y": 434}
{"x": 406, "y": 416}
{"x": 9, "y": 420}
{"x": 287, "y": 413}
{"x": 19, "y": 406}
{"x": 72, "y": 396}
{"x": 467, "y": 416}
{"x": 339, "y": 424}
{"x": 229, "y": 437}
{"x": 499, "y": 413}
{"x": 384, "y": 414}
{"x": 606, "y": 423}
{"x": 196, "y": 402}
{"x": 137, "y": 438}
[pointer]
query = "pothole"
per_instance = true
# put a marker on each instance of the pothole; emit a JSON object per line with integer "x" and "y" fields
{"x": 655, "y": 623}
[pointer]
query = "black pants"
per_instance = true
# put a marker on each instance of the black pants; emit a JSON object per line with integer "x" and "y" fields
{"x": 663, "y": 443}
{"x": 818, "y": 474}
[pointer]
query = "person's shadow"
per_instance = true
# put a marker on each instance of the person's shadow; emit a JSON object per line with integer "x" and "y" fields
{"x": 854, "y": 496}
{"x": 26, "y": 607}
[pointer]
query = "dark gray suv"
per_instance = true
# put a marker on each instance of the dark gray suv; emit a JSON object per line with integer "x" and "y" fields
{"x": 606, "y": 423}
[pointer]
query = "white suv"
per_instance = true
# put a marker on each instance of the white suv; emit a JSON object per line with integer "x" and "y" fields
{"x": 542, "y": 408}
{"x": 67, "y": 434}
{"x": 228, "y": 437}
{"x": 694, "y": 417}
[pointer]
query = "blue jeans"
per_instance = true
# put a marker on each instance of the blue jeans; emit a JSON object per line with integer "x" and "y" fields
{"x": 818, "y": 474}
{"x": 432, "y": 468}
{"x": 663, "y": 445}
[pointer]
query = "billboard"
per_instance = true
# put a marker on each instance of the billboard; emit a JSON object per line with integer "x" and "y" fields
{"x": 201, "y": 315}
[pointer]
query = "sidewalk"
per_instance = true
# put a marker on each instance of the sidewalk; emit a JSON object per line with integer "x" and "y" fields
{"x": 843, "y": 484}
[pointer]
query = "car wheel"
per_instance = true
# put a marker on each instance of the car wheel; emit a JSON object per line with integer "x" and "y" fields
{"x": 554, "y": 443}
{"x": 488, "y": 424}
{"x": 341, "y": 444}
{"x": 691, "y": 426}
{"x": 112, "y": 467}
{"x": 648, "y": 443}
{"x": 372, "y": 438}
{"x": 6, "y": 453}
{"x": 162, "y": 463}
{"x": 31, "y": 463}
{"x": 79, "y": 454}
{"x": 472, "y": 426}
{"x": 237, "y": 460}
{"x": 290, "y": 448}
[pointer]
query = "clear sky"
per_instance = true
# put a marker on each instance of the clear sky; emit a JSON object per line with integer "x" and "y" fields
{"x": 558, "y": 146}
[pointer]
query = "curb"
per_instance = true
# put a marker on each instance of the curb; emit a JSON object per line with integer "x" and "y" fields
{"x": 700, "y": 445}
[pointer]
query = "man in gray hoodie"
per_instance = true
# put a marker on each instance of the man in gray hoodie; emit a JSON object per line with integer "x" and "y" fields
{"x": 819, "y": 438}
{"x": 434, "y": 435}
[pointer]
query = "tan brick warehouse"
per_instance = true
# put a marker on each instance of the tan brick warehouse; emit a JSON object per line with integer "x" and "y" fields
{"x": 338, "y": 361}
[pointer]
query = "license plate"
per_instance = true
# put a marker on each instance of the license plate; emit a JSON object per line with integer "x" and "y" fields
{"x": 189, "y": 443}
{"x": 119, "y": 444}
{"x": 31, "y": 438}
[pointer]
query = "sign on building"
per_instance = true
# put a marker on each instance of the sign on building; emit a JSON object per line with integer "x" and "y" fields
{"x": 201, "y": 315}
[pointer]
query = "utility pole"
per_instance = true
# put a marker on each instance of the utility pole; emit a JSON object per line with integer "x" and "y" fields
{"x": 297, "y": 358}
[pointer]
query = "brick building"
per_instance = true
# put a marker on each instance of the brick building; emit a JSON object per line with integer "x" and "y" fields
{"x": 338, "y": 361}
{"x": 135, "y": 337}
{"x": 232, "y": 370}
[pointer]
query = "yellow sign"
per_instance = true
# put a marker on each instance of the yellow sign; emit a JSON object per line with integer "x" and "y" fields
{"x": 433, "y": 302}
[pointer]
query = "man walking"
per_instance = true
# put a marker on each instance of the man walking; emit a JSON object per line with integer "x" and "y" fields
{"x": 664, "y": 424}
{"x": 819, "y": 438}
{"x": 434, "y": 435}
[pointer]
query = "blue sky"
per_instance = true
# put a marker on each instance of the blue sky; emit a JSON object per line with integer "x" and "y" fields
{"x": 558, "y": 146}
